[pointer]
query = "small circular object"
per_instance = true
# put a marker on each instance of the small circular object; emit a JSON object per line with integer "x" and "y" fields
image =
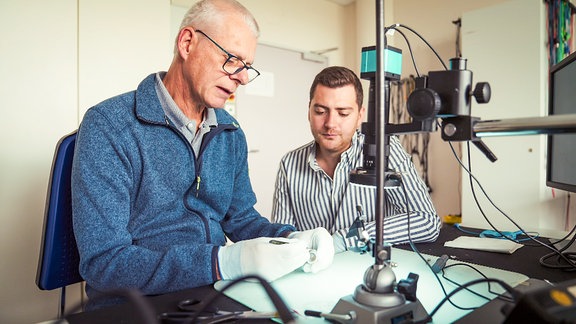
{"x": 312, "y": 256}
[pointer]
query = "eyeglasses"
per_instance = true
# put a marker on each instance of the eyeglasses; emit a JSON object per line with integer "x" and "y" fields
{"x": 233, "y": 64}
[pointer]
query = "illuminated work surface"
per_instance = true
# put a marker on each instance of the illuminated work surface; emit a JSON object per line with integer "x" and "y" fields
{"x": 321, "y": 291}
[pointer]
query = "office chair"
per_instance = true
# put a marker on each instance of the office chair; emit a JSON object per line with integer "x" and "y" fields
{"x": 59, "y": 259}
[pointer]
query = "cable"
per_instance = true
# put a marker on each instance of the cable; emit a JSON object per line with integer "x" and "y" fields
{"x": 409, "y": 47}
{"x": 283, "y": 311}
{"x": 413, "y": 247}
{"x": 504, "y": 285}
{"x": 554, "y": 250}
{"x": 444, "y": 275}
{"x": 395, "y": 26}
{"x": 472, "y": 177}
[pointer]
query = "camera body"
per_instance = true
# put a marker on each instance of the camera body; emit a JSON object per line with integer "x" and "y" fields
{"x": 448, "y": 95}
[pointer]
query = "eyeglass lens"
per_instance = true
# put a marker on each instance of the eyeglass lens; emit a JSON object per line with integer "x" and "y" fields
{"x": 234, "y": 65}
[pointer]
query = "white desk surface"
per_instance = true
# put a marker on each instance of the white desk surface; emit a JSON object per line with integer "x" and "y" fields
{"x": 321, "y": 291}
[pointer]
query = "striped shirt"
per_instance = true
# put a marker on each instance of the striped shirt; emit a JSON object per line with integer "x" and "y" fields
{"x": 306, "y": 197}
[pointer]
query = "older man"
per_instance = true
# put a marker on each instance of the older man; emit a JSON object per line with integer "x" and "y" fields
{"x": 160, "y": 177}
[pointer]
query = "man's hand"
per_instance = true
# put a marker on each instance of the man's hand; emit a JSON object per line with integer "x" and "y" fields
{"x": 269, "y": 258}
{"x": 320, "y": 242}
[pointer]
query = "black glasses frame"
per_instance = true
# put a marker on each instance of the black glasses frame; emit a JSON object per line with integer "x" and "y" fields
{"x": 231, "y": 57}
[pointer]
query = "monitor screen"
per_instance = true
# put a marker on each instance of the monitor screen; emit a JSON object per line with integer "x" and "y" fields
{"x": 561, "y": 157}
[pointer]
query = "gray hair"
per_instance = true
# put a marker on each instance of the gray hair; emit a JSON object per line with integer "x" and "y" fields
{"x": 205, "y": 12}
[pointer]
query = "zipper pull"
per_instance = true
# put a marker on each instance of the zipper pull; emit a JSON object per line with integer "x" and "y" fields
{"x": 197, "y": 185}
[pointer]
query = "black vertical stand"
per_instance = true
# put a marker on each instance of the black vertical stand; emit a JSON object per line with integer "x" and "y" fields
{"x": 378, "y": 300}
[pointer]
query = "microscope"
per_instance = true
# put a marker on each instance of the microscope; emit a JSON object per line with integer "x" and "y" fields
{"x": 445, "y": 94}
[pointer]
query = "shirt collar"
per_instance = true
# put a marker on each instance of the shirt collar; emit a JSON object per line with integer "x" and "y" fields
{"x": 346, "y": 156}
{"x": 175, "y": 115}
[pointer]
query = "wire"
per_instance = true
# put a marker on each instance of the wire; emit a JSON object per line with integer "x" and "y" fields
{"x": 504, "y": 285}
{"x": 395, "y": 27}
{"x": 458, "y": 45}
{"x": 283, "y": 311}
{"x": 553, "y": 249}
{"x": 562, "y": 256}
{"x": 444, "y": 275}
{"x": 419, "y": 146}
{"x": 420, "y": 255}
{"x": 409, "y": 49}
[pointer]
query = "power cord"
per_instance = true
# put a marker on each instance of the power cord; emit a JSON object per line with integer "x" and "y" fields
{"x": 566, "y": 257}
{"x": 434, "y": 271}
{"x": 283, "y": 311}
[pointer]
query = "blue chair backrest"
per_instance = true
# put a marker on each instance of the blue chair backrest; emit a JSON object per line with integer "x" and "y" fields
{"x": 59, "y": 259}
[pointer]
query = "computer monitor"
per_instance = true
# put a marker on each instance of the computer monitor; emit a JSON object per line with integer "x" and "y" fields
{"x": 561, "y": 157}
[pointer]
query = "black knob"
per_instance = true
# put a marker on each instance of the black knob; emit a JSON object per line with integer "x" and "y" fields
{"x": 482, "y": 92}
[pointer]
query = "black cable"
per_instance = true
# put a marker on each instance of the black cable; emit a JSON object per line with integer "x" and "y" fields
{"x": 420, "y": 255}
{"x": 458, "y": 284}
{"x": 283, "y": 311}
{"x": 395, "y": 27}
{"x": 444, "y": 275}
{"x": 515, "y": 295}
{"x": 555, "y": 251}
{"x": 458, "y": 23}
{"x": 472, "y": 177}
{"x": 407, "y": 44}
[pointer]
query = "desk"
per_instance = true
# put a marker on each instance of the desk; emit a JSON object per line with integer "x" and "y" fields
{"x": 321, "y": 291}
{"x": 526, "y": 258}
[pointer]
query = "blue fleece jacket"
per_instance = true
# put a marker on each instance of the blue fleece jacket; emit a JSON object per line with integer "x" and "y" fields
{"x": 147, "y": 213}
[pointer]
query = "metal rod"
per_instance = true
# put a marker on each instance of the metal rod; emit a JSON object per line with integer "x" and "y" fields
{"x": 556, "y": 124}
{"x": 380, "y": 104}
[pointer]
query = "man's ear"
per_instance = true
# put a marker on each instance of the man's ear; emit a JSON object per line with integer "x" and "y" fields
{"x": 361, "y": 117}
{"x": 186, "y": 39}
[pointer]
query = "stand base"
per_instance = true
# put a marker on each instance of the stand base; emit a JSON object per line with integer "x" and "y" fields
{"x": 408, "y": 312}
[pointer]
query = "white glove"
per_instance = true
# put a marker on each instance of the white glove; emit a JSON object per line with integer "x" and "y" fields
{"x": 320, "y": 241}
{"x": 263, "y": 256}
{"x": 339, "y": 242}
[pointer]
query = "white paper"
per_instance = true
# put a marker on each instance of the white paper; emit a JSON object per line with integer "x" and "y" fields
{"x": 484, "y": 244}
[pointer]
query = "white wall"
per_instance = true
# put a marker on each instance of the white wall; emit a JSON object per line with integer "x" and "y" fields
{"x": 38, "y": 103}
{"x": 57, "y": 58}
{"x": 516, "y": 182}
{"x": 444, "y": 173}
{"x": 497, "y": 59}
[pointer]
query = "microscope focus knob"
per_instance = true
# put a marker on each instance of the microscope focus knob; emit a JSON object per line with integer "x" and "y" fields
{"x": 423, "y": 103}
{"x": 482, "y": 92}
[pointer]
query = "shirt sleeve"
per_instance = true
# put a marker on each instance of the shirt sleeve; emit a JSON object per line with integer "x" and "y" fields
{"x": 423, "y": 223}
{"x": 281, "y": 210}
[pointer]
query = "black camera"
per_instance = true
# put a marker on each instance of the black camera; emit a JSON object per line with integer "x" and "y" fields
{"x": 448, "y": 95}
